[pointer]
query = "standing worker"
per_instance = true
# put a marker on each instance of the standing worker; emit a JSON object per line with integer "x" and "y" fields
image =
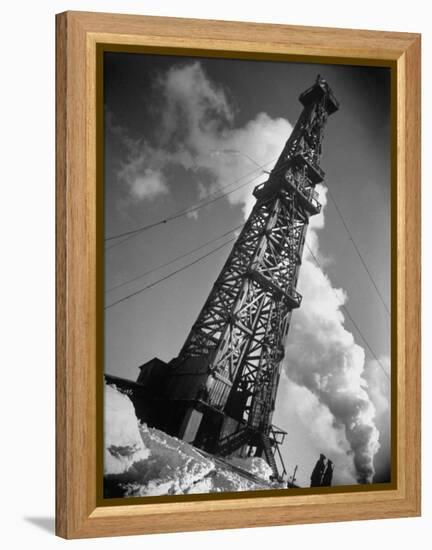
{"x": 318, "y": 471}
{"x": 328, "y": 474}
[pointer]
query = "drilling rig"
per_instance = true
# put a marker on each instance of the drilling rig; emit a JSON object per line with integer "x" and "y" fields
{"x": 219, "y": 393}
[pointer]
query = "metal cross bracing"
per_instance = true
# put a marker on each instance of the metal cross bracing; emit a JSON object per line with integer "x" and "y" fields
{"x": 241, "y": 330}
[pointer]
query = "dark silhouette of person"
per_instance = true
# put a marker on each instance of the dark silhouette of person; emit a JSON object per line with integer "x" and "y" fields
{"x": 317, "y": 472}
{"x": 328, "y": 474}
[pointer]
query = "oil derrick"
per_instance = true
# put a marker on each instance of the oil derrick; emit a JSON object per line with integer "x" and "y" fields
{"x": 219, "y": 393}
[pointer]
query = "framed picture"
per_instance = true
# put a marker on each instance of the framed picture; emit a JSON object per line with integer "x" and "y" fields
{"x": 238, "y": 274}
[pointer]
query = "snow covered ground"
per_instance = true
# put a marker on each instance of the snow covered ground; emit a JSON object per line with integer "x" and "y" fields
{"x": 143, "y": 461}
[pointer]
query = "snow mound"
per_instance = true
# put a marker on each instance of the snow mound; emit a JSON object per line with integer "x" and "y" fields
{"x": 227, "y": 480}
{"x": 143, "y": 461}
{"x": 254, "y": 465}
{"x": 123, "y": 444}
{"x": 173, "y": 467}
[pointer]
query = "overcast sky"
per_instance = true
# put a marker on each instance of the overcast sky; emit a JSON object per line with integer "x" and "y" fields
{"x": 163, "y": 118}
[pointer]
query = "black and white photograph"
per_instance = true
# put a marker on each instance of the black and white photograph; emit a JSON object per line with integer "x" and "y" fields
{"x": 247, "y": 275}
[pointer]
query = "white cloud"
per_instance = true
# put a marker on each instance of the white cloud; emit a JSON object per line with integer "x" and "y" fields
{"x": 197, "y": 121}
{"x": 143, "y": 179}
{"x": 194, "y": 106}
{"x": 148, "y": 185}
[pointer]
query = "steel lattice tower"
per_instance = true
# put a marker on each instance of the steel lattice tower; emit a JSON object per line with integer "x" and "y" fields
{"x": 233, "y": 354}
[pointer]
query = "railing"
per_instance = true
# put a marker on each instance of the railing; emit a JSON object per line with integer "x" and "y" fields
{"x": 233, "y": 441}
{"x": 284, "y": 472}
{"x": 290, "y": 293}
{"x": 260, "y": 188}
{"x": 278, "y": 432}
{"x": 306, "y": 191}
{"x": 295, "y": 296}
{"x": 275, "y": 434}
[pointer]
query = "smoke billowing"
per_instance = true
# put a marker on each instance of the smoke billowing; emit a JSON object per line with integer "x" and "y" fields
{"x": 322, "y": 356}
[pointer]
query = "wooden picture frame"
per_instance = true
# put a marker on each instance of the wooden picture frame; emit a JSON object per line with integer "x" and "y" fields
{"x": 79, "y": 34}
